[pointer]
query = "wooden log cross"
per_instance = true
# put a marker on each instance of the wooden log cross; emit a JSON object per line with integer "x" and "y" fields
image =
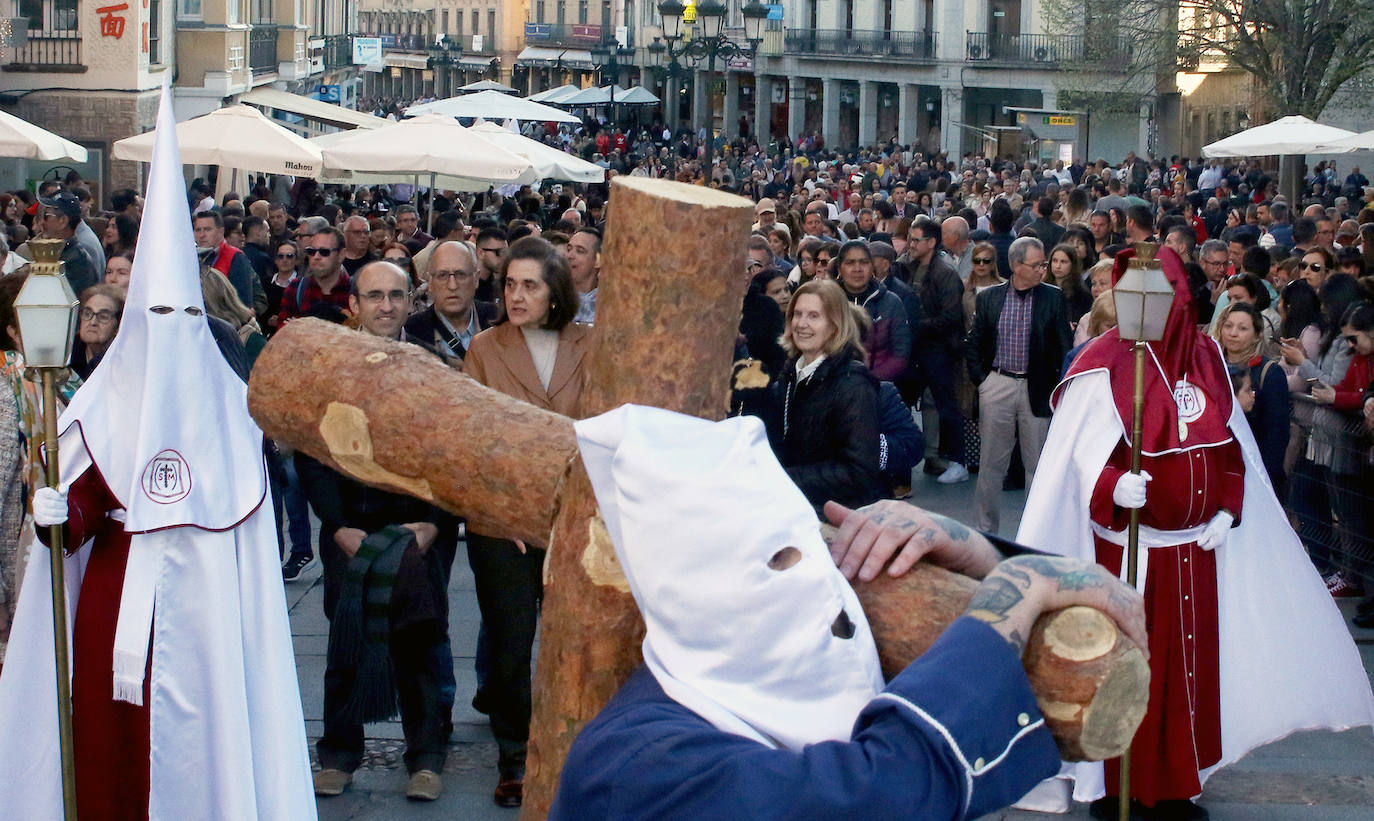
{"x": 672, "y": 282}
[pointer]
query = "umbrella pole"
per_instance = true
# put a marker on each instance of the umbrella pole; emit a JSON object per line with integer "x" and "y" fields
{"x": 430, "y": 229}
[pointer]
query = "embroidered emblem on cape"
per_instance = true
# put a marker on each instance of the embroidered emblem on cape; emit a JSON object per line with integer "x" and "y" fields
{"x": 1191, "y": 403}
{"x": 167, "y": 478}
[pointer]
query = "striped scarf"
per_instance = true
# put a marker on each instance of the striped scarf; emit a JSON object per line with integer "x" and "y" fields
{"x": 360, "y": 632}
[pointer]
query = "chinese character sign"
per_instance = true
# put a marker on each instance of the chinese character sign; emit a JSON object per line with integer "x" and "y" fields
{"x": 111, "y": 24}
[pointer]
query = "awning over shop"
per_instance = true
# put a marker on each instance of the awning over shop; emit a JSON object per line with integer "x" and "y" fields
{"x": 310, "y": 108}
{"x": 406, "y": 61}
{"x": 539, "y": 56}
{"x": 578, "y": 58}
{"x": 475, "y": 63}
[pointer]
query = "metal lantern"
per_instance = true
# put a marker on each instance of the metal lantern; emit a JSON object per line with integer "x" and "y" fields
{"x": 1143, "y": 296}
{"x": 755, "y": 13}
{"x": 711, "y": 17}
{"x": 672, "y": 13}
{"x": 46, "y": 308}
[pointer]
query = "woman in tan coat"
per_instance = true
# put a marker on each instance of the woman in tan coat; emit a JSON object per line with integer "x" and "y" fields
{"x": 535, "y": 354}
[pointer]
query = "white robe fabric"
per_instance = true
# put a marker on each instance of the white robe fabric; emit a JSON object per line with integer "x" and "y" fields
{"x": 227, "y": 734}
{"x": 1287, "y": 662}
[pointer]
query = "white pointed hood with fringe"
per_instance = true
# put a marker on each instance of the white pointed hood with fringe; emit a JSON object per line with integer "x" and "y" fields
{"x": 749, "y": 624}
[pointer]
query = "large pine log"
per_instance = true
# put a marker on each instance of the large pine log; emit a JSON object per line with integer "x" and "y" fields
{"x": 672, "y": 283}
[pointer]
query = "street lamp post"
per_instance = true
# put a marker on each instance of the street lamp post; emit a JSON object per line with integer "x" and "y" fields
{"x": 607, "y": 56}
{"x": 45, "y": 310}
{"x": 442, "y": 55}
{"x": 707, "y": 42}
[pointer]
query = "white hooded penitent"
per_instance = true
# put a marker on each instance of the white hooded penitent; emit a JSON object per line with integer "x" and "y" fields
{"x": 748, "y": 621}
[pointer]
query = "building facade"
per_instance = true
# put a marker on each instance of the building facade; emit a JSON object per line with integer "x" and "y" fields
{"x": 950, "y": 75}
{"x": 432, "y": 47}
{"x": 91, "y": 71}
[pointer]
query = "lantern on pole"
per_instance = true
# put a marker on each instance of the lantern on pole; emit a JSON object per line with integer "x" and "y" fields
{"x": 1143, "y": 298}
{"x": 46, "y": 311}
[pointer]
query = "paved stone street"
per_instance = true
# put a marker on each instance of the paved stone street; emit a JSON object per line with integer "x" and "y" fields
{"x": 1318, "y": 775}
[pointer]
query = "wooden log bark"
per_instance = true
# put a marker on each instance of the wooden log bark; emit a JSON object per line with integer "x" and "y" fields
{"x": 392, "y": 415}
{"x": 1090, "y": 681}
{"x": 668, "y": 307}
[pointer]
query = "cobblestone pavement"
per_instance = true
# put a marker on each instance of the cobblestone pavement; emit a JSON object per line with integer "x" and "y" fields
{"x": 1314, "y": 776}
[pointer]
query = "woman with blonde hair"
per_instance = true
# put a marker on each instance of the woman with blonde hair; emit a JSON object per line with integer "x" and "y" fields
{"x": 828, "y": 441}
{"x": 222, "y": 302}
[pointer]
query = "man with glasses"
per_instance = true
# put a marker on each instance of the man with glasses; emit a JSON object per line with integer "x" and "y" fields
{"x": 1014, "y": 353}
{"x": 323, "y": 291}
{"x": 491, "y": 249}
{"x": 766, "y": 215}
{"x": 357, "y": 250}
{"x": 359, "y": 529}
{"x": 448, "y": 326}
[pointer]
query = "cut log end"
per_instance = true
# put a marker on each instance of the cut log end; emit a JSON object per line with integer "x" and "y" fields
{"x": 1110, "y": 721}
{"x": 681, "y": 192}
{"x": 1080, "y": 634}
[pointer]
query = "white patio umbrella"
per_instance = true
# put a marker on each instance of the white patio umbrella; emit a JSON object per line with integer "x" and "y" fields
{"x": 433, "y": 144}
{"x": 593, "y": 96}
{"x": 637, "y": 95}
{"x": 1287, "y": 135}
{"x": 551, "y": 96}
{"x": 485, "y": 85}
{"x": 236, "y": 136}
{"x": 1364, "y": 141}
{"x": 26, "y": 141}
{"x": 549, "y": 162}
{"x": 492, "y": 105}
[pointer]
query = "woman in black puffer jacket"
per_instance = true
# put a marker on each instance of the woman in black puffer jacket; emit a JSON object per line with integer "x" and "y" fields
{"x": 828, "y": 437}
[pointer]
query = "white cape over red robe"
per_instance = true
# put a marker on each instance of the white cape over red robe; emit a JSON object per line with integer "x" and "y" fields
{"x": 1287, "y": 661}
{"x": 226, "y": 732}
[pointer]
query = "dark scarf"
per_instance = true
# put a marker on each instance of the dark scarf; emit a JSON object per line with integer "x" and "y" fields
{"x": 359, "y": 637}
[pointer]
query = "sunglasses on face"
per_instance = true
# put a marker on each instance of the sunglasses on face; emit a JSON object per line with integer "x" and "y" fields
{"x": 286, "y": 256}
{"x": 1312, "y": 266}
{"x": 983, "y": 261}
{"x": 324, "y": 252}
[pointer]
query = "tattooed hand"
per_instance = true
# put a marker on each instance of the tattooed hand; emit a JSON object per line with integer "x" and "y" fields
{"x": 904, "y": 534}
{"x": 1019, "y": 589}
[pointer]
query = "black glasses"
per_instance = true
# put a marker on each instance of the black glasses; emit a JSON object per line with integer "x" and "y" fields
{"x": 448, "y": 277}
{"x": 286, "y": 256}
{"x": 105, "y": 316}
{"x": 983, "y": 261}
{"x": 401, "y": 261}
{"x": 1312, "y": 266}
{"x": 324, "y": 252}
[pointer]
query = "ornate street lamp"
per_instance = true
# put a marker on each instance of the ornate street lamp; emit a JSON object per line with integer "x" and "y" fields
{"x": 708, "y": 42}
{"x": 607, "y": 55}
{"x": 46, "y": 312}
{"x": 1143, "y": 298}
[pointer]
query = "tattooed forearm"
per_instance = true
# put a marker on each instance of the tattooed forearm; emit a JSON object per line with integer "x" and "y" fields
{"x": 994, "y": 598}
{"x": 956, "y": 530}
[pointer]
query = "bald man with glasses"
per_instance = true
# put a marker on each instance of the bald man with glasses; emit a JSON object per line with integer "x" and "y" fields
{"x": 448, "y": 325}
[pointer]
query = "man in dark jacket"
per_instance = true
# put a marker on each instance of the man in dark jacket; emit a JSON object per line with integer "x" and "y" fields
{"x": 1014, "y": 352}
{"x": 448, "y": 326}
{"x": 888, "y": 342}
{"x": 1044, "y": 227}
{"x": 936, "y": 336}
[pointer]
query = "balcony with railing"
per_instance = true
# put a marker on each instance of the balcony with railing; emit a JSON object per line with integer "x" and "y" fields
{"x": 262, "y": 49}
{"x": 338, "y": 50}
{"x": 892, "y": 45}
{"x": 47, "y": 53}
{"x": 584, "y": 35}
{"x": 1046, "y": 49}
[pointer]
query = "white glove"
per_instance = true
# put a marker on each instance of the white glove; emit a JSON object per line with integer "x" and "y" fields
{"x": 1130, "y": 490}
{"x": 1217, "y": 529}
{"x": 49, "y": 507}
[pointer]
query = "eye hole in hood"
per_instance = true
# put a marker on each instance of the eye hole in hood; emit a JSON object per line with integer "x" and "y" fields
{"x": 842, "y": 627}
{"x": 161, "y": 309}
{"x": 785, "y": 558}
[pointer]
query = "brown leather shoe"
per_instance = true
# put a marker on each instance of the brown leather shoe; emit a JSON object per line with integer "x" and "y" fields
{"x": 509, "y": 792}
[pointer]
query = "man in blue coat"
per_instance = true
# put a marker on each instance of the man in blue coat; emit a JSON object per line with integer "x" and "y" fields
{"x": 760, "y": 697}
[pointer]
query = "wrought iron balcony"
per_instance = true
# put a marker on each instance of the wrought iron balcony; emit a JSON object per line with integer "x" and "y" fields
{"x": 892, "y": 45}
{"x": 262, "y": 49}
{"x": 338, "y": 50}
{"x": 47, "y": 53}
{"x": 1046, "y": 49}
{"x": 563, "y": 34}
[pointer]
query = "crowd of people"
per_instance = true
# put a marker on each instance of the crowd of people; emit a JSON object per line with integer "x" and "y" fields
{"x": 886, "y": 286}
